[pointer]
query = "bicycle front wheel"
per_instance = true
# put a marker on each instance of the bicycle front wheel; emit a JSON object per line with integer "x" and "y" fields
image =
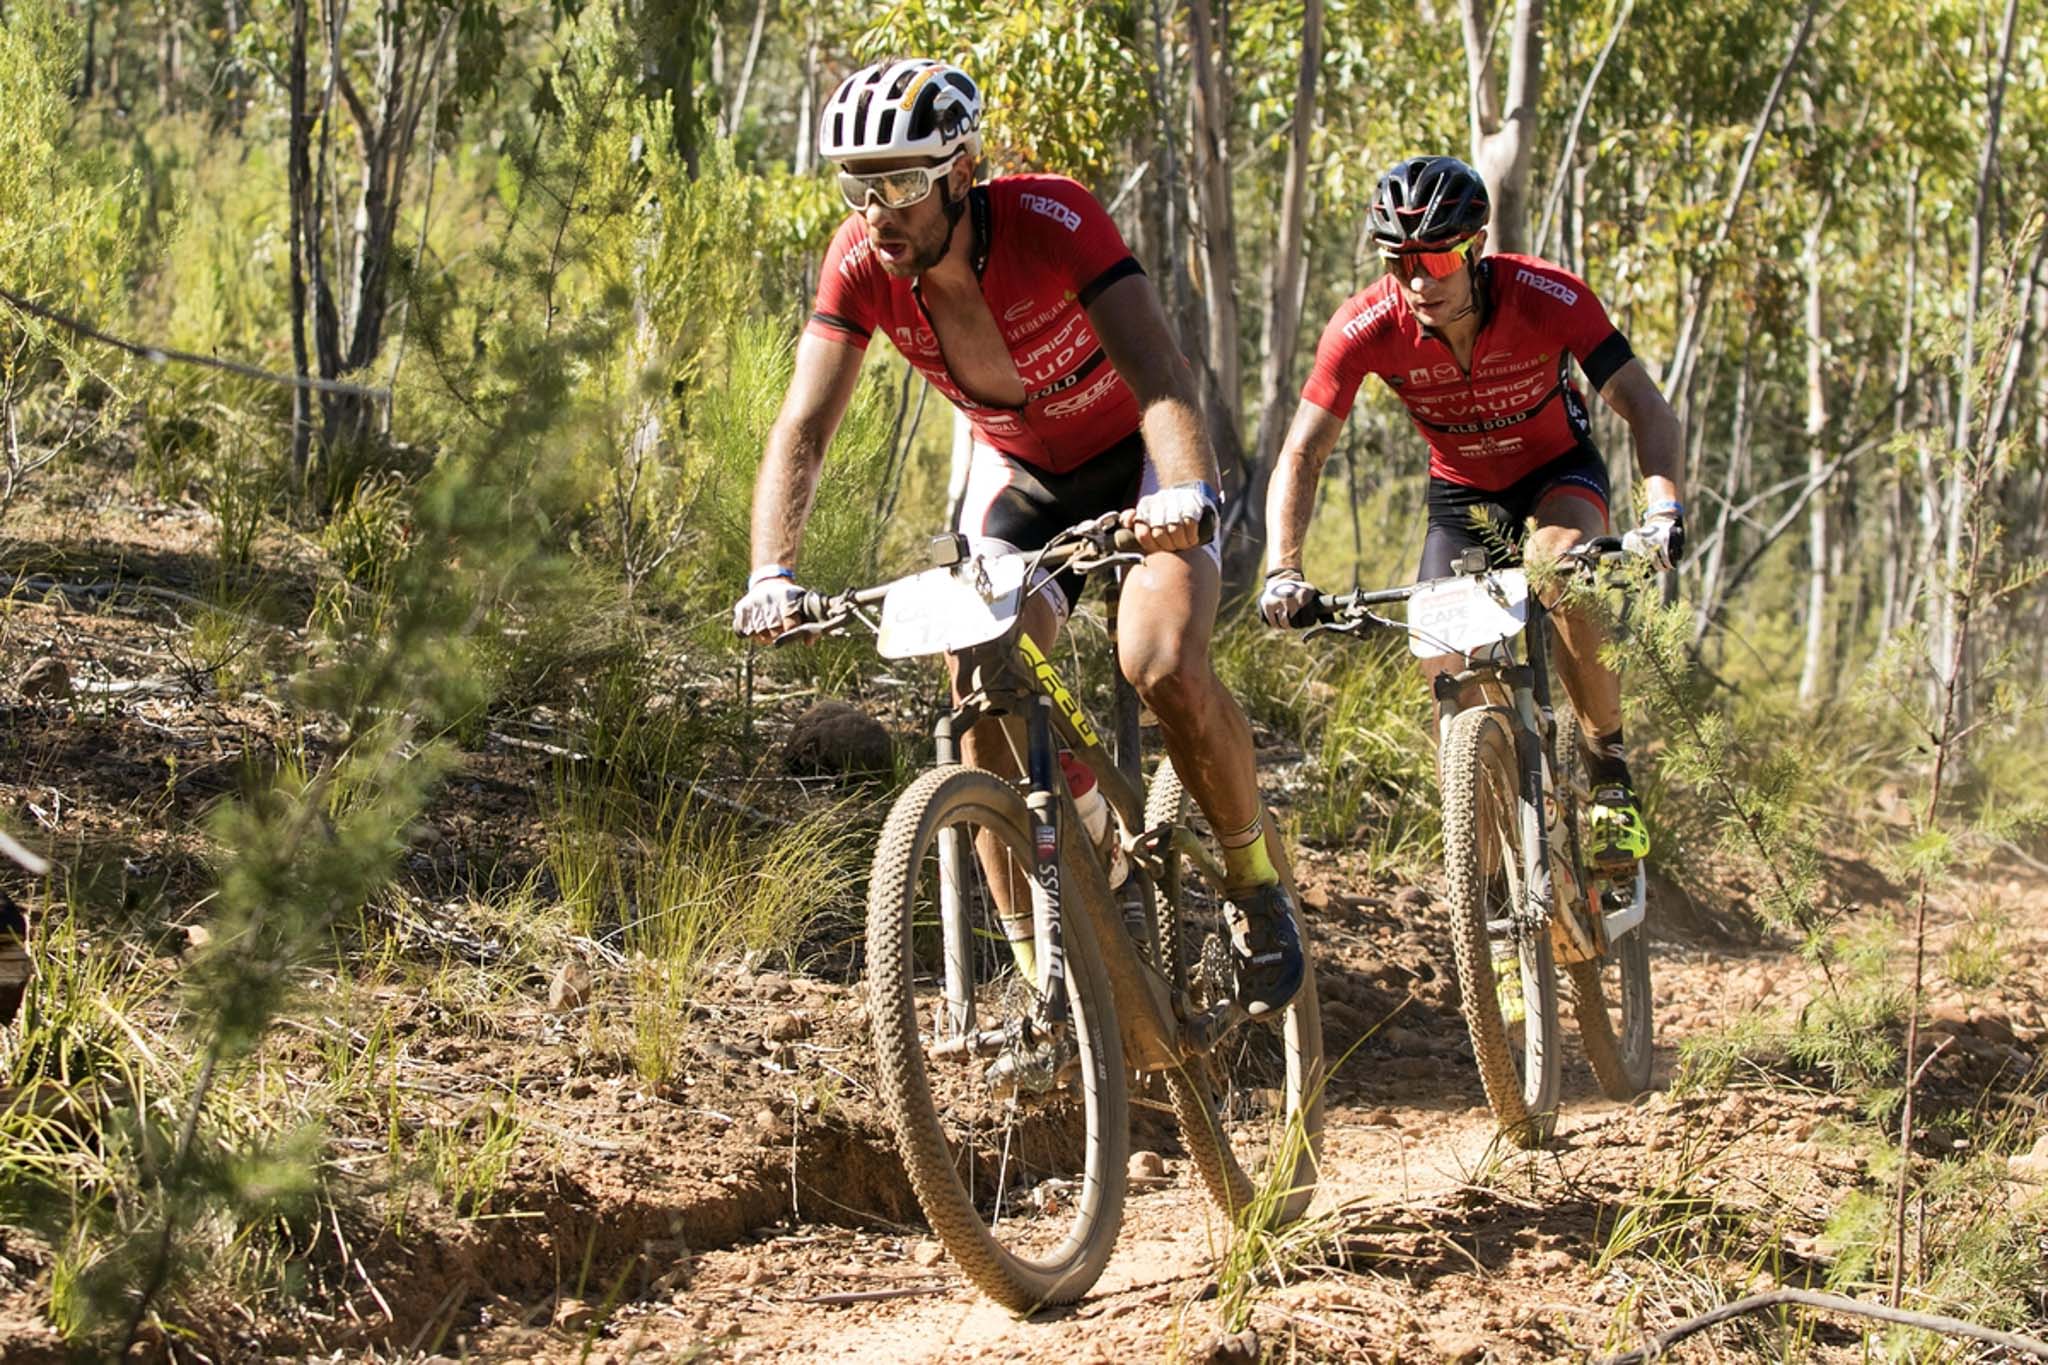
{"x": 1506, "y": 976}
{"x": 1251, "y": 1112}
{"x": 1014, "y": 1128}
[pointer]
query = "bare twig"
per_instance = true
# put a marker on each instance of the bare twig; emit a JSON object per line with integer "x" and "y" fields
{"x": 872, "y": 1295}
{"x": 159, "y": 355}
{"x": 1832, "y": 1303}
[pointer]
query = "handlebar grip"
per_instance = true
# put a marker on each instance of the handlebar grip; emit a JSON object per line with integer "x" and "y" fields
{"x": 1314, "y": 612}
{"x": 815, "y": 607}
{"x": 1125, "y": 542}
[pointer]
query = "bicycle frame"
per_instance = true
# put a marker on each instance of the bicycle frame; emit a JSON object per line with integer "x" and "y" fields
{"x": 1011, "y": 677}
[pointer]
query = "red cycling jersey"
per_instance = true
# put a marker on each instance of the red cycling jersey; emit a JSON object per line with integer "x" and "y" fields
{"x": 1043, "y": 250}
{"x": 1517, "y": 409}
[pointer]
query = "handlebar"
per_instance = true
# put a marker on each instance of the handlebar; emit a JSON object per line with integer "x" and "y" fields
{"x": 1100, "y": 543}
{"x": 1329, "y": 609}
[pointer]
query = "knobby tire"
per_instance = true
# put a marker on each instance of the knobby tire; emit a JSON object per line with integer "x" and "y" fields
{"x": 937, "y": 798}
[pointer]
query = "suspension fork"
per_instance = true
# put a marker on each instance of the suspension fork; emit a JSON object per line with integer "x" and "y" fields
{"x": 1542, "y": 786}
{"x": 956, "y": 932}
{"x": 1048, "y": 785}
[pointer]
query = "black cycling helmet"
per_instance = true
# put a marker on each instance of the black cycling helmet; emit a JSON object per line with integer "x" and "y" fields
{"x": 1427, "y": 201}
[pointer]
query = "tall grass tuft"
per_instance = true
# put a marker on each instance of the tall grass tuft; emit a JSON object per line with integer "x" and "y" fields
{"x": 1360, "y": 715}
{"x": 676, "y": 885}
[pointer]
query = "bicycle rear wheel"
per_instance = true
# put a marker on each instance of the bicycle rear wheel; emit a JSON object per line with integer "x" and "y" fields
{"x": 1015, "y": 1136}
{"x": 1261, "y": 1092}
{"x": 1617, "y": 1039}
{"x": 1506, "y": 976}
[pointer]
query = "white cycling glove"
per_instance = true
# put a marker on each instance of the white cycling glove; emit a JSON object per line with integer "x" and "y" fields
{"x": 1286, "y": 593}
{"x": 1661, "y": 537}
{"x": 770, "y": 606}
{"x": 1174, "y": 515}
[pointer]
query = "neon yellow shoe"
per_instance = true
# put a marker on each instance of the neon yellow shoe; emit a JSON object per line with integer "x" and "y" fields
{"x": 1616, "y": 836}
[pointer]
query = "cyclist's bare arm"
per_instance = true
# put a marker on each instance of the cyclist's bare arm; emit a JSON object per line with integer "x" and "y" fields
{"x": 1660, "y": 440}
{"x": 1291, "y": 498}
{"x": 1132, "y": 327}
{"x": 819, "y": 391}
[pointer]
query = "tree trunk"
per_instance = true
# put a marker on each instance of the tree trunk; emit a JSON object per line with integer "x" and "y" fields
{"x": 738, "y": 106}
{"x": 1504, "y": 137}
{"x": 299, "y": 174}
{"x": 806, "y": 101}
{"x": 1718, "y": 546}
{"x": 1169, "y": 189}
{"x": 1567, "y": 172}
{"x": 1956, "y": 498}
{"x": 1217, "y": 222}
{"x": 1285, "y": 282}
{"x": 167, "y": 59}
{"x": 92, "y": 21}
{"x": 1817, "y": 549}
{"x": 1685, "y": 350}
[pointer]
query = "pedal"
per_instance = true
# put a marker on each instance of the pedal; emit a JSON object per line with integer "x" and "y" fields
{"x": 1204, "y": 1033}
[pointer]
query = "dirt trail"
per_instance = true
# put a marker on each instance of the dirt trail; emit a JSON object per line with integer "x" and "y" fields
{"x": 1434, "y": 1242}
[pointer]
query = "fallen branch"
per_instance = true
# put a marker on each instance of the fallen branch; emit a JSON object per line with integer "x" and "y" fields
{"x": 871, "y": 1295}
{"x": 1833, "y": 1303}
{"x": 161, "y": 355}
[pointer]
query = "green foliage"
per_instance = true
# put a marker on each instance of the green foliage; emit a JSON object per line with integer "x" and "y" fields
{"x": 65, "y": 240}
{"x": 676, "y": 883}
{"x": 1361, "y": 716}
{"x": 1062, "y": 83}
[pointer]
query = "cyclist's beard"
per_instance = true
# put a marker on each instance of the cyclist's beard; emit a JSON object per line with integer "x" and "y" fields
{"x": 927, "y": 247}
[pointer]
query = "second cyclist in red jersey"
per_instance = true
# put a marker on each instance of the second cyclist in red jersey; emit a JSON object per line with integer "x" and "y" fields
{"x": 1479, "y": 349}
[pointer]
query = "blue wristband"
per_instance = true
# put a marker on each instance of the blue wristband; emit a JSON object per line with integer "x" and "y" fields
{"x": 1665, "y": 505}
{"x": 767, "y": 571}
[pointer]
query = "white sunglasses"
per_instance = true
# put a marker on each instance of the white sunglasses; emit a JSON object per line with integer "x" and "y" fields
{"x": 895, "y": 189}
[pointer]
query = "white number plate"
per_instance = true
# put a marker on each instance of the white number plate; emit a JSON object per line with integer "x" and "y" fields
{"x": 1468, "y": 615}
{"x": 941, "y": 610}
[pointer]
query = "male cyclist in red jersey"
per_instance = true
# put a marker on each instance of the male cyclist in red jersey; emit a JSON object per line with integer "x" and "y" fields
{"x": 1478, "y": 348}
{"x": 1018, "y": 299}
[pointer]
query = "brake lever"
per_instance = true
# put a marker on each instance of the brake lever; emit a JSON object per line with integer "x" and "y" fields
{"x": 810, "y": 630}
{"x": 1087, "y": 565}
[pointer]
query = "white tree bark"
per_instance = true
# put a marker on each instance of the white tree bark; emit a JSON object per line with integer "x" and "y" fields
{"x": 1504, "y": 135}
{"x": 1946, "y": 658}
{"x": 1817, "y": 556}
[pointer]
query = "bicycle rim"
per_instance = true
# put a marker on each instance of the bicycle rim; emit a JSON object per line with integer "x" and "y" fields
{"x": 1025, "y": 1189}
{"x": 1610, "y": 997}
{"x": 1251, "y": 1113}
{"x": 1611, "y": 1006}
{"x": 1506, "y": 978}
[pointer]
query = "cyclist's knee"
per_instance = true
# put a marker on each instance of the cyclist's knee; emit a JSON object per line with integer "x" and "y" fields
{"x": 1167, "y": 673}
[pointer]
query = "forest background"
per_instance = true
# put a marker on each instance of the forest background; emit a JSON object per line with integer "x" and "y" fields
{"x": 531, "y": 277}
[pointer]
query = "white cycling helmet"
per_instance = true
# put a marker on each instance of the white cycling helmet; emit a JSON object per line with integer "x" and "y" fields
{"x": 908, "y": 107}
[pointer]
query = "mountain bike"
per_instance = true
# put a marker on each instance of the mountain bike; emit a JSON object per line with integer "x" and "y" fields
{"x": 1523, "y": 899}
{"x": 1009, "y": 1075}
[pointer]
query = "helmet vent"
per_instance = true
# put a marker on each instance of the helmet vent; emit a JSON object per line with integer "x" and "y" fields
{"x": 888, "y": 126}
